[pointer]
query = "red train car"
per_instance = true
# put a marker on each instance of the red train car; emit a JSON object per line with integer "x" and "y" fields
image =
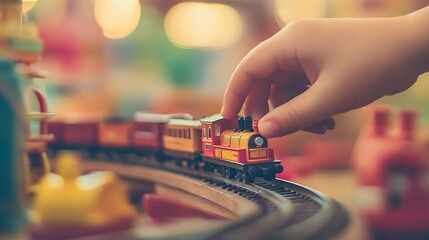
{"x": 74, "y": 134}
{"x": 115, "y": 132}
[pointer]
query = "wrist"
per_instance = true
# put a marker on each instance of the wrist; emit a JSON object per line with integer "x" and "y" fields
{"x": 419, "y": 26}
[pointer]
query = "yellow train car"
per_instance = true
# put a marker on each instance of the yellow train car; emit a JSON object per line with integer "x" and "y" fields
{"x": 182, "y": 138}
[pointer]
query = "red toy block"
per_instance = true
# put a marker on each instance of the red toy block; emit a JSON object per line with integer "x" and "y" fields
{"x": 392, "y": 169}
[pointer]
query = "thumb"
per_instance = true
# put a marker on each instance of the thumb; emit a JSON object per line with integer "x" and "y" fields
{"x": 317, "y": 103}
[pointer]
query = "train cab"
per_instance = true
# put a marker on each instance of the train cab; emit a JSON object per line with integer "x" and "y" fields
{"x": 212, "y": 128}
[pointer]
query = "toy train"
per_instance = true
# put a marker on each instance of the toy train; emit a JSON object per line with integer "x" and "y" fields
{"x": 234, "y": 149}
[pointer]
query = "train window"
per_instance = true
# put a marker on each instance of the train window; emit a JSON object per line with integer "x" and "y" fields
{"x": 185, "y": 133}
{"x": 175, "y": 133}
{"x": 209, "y": 132}
{"x": 146, "y": 131}
{"x": 205, "y": 132}
{"x": 189, "y": 133}
{"x": 180, "y": 133}
{"x": 217, "y": 130}
{"x": 146, "y": 128}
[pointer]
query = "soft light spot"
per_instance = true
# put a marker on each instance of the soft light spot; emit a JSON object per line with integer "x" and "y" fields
{"x": 117, "y": 18}
{"x": 196, "y": 25}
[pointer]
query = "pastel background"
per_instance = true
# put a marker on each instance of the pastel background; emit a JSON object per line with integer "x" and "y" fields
{"x": 121, "y": 56}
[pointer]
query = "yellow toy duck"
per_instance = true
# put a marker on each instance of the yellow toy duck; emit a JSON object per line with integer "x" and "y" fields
{"x": 68, "y": 205}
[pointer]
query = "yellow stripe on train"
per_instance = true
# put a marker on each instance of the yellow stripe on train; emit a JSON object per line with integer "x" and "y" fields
{"x": 256, "y": 155}
{"x": 231, "y": 155}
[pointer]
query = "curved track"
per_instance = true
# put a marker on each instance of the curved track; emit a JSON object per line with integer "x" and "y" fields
{"x": 274, "y": 209}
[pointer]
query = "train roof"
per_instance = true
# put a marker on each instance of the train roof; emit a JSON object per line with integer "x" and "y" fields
{"x": 213, "y": 118}
{"x": 159, "y": 118}
{"x": 115, "y": 119}
{"x": 184, "y": 122}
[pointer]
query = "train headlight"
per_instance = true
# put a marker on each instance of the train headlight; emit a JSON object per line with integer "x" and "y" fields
{"x": 259, "y": 141}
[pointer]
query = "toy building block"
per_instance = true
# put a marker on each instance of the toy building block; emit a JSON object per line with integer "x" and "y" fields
{"x": 68, "y": 205}
{"x": 392, "y": 169}
{"x": 11, "y": 151}
{"x": 163, "y": 209}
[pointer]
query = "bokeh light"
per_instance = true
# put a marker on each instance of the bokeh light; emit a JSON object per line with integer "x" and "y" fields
{"x": 196, "y": 25}
{"x": 289, "y": 10}
{"x": 117, "y": 18}
{"x": 27, "y": 5}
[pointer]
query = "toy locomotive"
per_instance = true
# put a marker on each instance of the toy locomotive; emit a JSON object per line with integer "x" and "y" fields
{"x": 233, "y": 149}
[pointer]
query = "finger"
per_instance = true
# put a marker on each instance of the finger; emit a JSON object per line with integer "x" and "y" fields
{"x": 256, "y": 104}
{"x": 282, "y": 94}
{"x": 258, "y": 65}
{"x": 312, "y": 106}
{"x": 321, "y": 127}
{"x": 279, "y": 95}
{"x": 330, "y": 123}
{"x": 318, "y": 128}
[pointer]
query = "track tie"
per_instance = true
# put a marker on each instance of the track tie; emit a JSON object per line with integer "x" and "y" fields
{"x": 238, "y": 190}
{"x": 218, "y": 183}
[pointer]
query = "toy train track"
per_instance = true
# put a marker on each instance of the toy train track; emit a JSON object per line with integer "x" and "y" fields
{"x": 282, "y": 209}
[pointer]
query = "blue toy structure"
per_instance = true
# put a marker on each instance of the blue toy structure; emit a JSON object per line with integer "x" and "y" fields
{"x": 12, "y": 184}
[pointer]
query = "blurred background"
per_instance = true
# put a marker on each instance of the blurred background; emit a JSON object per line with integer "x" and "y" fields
{"x": 120, "y": 56}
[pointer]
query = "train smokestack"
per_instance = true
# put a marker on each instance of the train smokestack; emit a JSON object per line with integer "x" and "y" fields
{"x": 255, "y": 126}
{"x": 248, "y": 124}
{"x": 240, "y": 126}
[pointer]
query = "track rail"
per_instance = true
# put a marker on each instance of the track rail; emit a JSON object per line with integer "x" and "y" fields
{"x": 274, "y": 209}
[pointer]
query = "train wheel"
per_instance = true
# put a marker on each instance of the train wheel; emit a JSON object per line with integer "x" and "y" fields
{"x": 92, "y": 154}
{"x": 248, "y": 178}
{"x": 209, "y": 167}
{"x": 178, "y": 162}
{"x": 130, "y": 158}
{"x": 269, "y": 173}
{"x": 189, "y": 164}
{"x": 196, "y": 165}
{"x": 84, "y": 154}
{"x": 201, "y": 165}
{"x": 219, "y": 170}
{"x": 239, "y": 175}
{"x": 229, "y": 172}
{"x": 269, "y": 177}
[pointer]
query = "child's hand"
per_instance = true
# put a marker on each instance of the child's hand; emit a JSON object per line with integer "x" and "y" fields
{"x": 348, "y": 63}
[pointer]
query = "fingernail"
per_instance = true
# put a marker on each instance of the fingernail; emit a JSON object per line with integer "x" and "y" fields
{"x": 268, "y": 128}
